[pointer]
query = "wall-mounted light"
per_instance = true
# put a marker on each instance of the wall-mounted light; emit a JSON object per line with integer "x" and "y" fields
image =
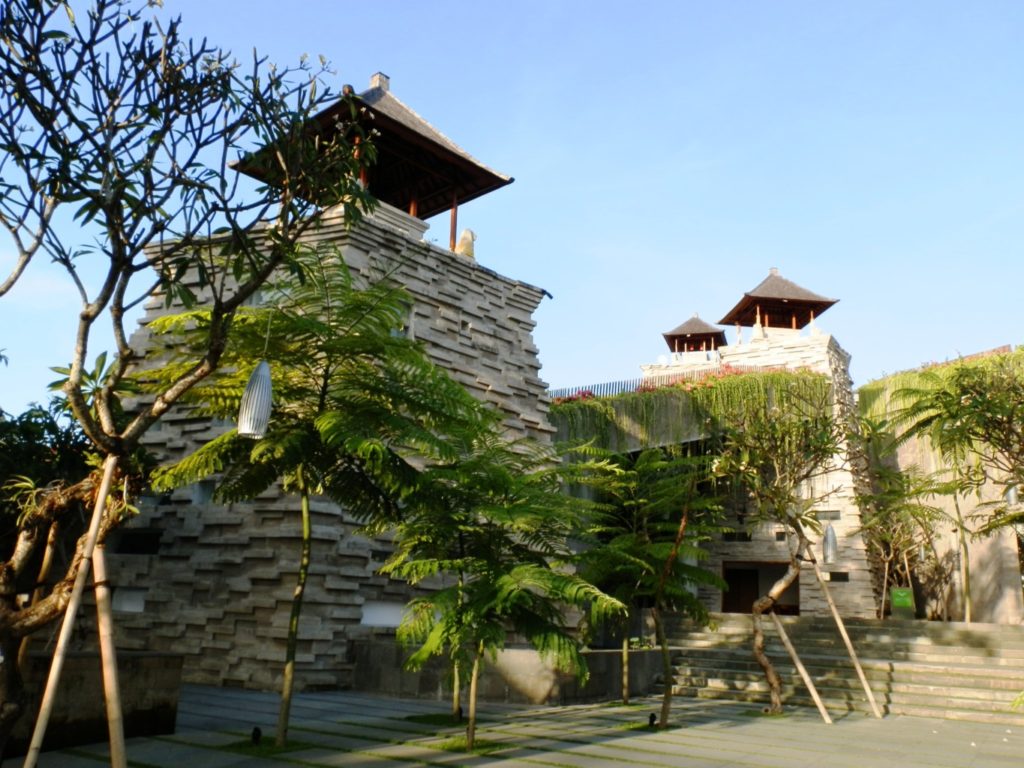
{"x": 1012, "y": 496}
{"x": 254, "y": 412}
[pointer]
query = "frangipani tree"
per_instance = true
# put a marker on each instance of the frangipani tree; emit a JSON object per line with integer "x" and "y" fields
{"x": 772, "y": 449}
{"x": 117, "y": 135}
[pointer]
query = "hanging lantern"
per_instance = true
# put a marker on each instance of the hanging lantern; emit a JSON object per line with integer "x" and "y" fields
{"x": 829, "y": 545}
{"x": 254, "y": 413}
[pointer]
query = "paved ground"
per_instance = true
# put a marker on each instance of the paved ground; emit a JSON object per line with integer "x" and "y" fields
{"x": 359, "y": 731}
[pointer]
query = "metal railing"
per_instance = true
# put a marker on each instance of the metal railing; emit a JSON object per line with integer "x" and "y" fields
{"x": 610, "y": 388}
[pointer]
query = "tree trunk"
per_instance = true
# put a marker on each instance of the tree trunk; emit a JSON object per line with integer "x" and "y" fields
{"x": 293, "y": 623}
{"x": 625, "y": 669}
{"x": 659, "y": 626}
{"x": 473, "y": 679}
{"x": 13, "y": 700}
{"x": 666, "y": 666}
{"x": 456, "y": 697}
{"x": 767, "y": 603}
{"x": 37, "y": 593}
{"x": 965, "y": 560}
{"x": 885, "y": 589}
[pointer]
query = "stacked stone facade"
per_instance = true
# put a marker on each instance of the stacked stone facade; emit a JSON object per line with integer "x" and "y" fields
{"x": 835, "y": 492}
{"x": 214, "y": 582}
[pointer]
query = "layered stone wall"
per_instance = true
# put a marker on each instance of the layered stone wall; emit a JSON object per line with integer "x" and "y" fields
{"x": 215, "y": 582}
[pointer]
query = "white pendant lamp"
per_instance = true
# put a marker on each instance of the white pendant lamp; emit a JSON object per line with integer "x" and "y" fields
{"x": 254, "y": 412}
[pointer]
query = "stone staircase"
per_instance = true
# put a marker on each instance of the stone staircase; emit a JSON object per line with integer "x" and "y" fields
{"x": 930, "y": 669}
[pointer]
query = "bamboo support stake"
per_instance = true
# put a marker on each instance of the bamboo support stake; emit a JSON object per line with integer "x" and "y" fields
{"x": 846, "y": 639}
{"x": 801, "y": 669}
{"x": 108, "y": 656}
{"x": 60, "y": 653}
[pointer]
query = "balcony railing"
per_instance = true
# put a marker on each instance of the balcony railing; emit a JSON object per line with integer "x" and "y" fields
{"x": 610, "y": 388}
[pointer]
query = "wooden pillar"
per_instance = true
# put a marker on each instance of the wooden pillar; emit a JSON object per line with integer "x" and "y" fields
{"x": 364, "y": 178}
{"x": 414, "y": 208}
{"x": 455, "y": 221}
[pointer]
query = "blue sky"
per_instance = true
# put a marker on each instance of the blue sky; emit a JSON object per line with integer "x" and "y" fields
{"x": 667, "y": 154}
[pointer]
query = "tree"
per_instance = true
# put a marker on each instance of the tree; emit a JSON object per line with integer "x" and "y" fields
{"x": 358, "y": 406}
{"x": 41, "y": 445}
{"x": 972, "y": 411}
{"x": 116, "y": 139}
{"x": 645, "y": 549}
{"x": 899, "y": 527}
{"x": 493, "y": 526}
{"x": 772, "y": 448}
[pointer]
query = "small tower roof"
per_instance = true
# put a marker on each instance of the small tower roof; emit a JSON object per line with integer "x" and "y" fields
{"x": 418, "y": 168}
{"x": 778, "y": 302}
{"x": 694, "y": 333}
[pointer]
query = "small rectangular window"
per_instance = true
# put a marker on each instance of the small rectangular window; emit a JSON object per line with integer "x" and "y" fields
{"x": 780, "y": 535}
{"x": 202, "y": 492}
{"x": 829, "y": 514}
{"x": 839, "y": 576}
{"x": 735, "y": 536}
{"x": 128, "y": 600}
{"x": 378, "y": 613}
{"x": 135, "y": 542}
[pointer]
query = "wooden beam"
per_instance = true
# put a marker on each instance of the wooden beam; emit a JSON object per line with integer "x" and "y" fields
{"x": 455, "y": 221}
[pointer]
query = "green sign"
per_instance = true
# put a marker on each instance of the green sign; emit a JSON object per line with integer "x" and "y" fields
{"x": 902, "y": 601}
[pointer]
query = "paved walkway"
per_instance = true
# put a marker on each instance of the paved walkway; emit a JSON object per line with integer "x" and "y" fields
{"x": 360, "y": 731}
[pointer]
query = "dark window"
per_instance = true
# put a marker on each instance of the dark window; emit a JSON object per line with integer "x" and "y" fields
{"x": 839, "y": 576}
{"x": 141, "y": 542}
{"x": 736, "y": 536}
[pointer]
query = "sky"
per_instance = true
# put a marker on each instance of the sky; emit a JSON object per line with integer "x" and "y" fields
{"x": 666, "y": 155}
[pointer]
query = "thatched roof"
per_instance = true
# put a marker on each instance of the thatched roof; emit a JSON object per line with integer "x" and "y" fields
{"x": 418, "y": 167}
{"x": 692, "y": 334}
{"x": 779, "y": 303}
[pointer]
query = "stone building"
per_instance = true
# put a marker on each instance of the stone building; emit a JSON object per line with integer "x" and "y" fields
{"x": 775, "y": 327}
{"x": 215, "y": 582}
{"x": 780, "y": 316}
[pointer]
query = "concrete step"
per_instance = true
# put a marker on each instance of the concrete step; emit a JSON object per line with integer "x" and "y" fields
{"x": 995, "y": 712}
{"x": 954, "y": 671}
{"x": 896, "y": 689}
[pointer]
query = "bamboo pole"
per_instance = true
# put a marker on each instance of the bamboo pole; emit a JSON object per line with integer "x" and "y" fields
{"x": 108, "y": 656}
{"x": 60, "y": 653}
{"x": 846, "y": 639}
{"x": 801, "y": 669}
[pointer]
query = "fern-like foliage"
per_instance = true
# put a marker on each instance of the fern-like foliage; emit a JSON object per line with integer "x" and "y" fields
{"x": 357, "y": 405}
{"x": 495, "y": 524}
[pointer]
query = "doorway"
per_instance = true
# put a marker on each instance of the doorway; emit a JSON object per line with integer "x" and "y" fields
{"x": 747, "y": 581}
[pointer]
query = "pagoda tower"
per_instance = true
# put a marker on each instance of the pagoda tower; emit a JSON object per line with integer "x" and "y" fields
{"x": 213, "y": 582}
{"x": 781, "y": 317}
